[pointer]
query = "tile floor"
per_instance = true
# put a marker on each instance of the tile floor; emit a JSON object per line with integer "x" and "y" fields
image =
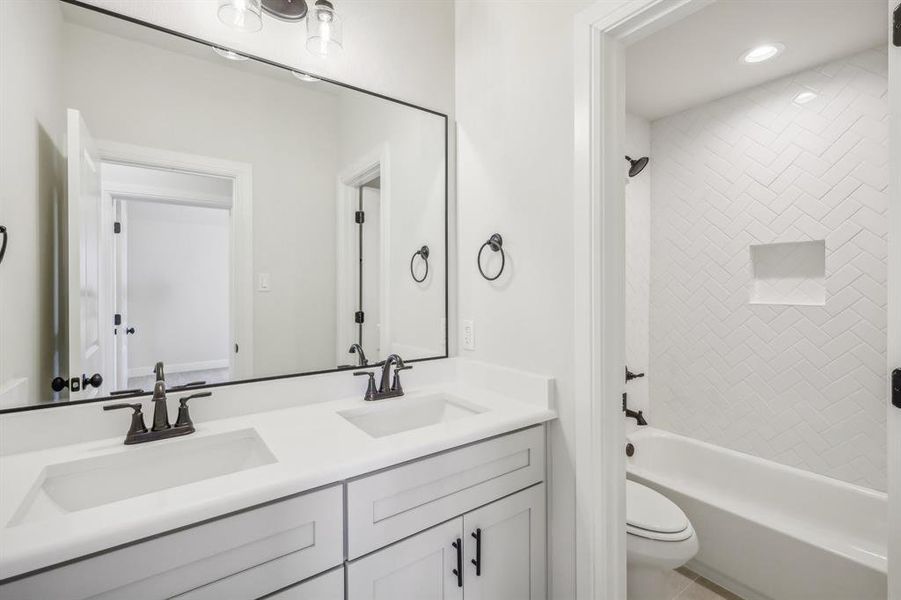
{"x": 686, "y": 585}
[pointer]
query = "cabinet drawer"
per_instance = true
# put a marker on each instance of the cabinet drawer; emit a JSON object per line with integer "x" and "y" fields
{"x": 390, "y": 505}
{"x": 328, "y": 586}
{"x": 305, "y": 531}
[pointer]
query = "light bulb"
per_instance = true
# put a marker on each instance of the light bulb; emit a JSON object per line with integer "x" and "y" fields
{"x": 243, "y": 15}
{"x": 323, "y": 29}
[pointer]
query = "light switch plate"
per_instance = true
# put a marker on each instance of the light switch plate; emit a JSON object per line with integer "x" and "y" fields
{"x": 469, "y": 335}
{"x": 263, "y": 283}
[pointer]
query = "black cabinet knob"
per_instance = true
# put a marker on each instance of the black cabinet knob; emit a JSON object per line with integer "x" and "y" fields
{"x": 130, "y": 331}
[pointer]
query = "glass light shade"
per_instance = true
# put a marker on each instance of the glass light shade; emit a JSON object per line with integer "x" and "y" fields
{"x": 323, "y": 29}
{"x": 243, "y": 15}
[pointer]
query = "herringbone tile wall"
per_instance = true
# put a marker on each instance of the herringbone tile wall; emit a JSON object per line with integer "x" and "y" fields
{"x": 800, "y": 385}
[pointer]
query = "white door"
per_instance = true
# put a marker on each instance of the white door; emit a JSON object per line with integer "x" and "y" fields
{"x": 894, "y": 319}
{"x": 123, "y": 330}
{"x": 88, "y": 355}
{"x": 420, "y": 567}
{"x": 371, "y": 275}
{"x": 505, "y": 551}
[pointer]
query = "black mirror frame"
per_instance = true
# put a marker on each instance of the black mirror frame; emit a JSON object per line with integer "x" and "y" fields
{"x": 197, "y": 40}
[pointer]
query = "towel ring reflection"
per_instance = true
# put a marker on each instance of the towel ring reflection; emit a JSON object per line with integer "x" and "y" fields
{"x": 423, "y": 253}
{"x": 496, "y": 243}
{"x": 5, "y": 235}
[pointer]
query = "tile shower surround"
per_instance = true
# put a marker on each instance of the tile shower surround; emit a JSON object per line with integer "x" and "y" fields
{"x": 800, "y": 385}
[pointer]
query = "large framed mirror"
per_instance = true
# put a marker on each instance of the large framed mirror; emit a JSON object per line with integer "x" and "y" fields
{"x": 168, "y": 201}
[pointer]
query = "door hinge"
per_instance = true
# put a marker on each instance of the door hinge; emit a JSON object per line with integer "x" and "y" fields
{"x": 117, "y": 227}
{"x": 359, "y": 217}
{"x": 896, "y": 26}
{"x": 359, "y": 316}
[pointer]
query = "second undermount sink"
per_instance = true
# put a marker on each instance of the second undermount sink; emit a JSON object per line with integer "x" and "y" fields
{"x": 81, "y": 484}
{"x": 387, "y": 417}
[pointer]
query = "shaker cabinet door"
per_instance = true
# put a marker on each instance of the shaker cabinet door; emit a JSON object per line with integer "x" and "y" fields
{"x": 421, "y": 567}
{"x": 505, "y": 548}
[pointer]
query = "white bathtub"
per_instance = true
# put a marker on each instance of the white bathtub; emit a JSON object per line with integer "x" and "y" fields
{"x": 768, "y": 531}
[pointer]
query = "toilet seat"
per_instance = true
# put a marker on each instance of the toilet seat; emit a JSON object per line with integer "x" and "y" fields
{"x": 653, "y": 516}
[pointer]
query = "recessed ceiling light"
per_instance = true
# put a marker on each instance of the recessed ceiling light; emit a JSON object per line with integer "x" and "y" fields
{"x": 229, "y": 54}
{"x": 304, "y": 76}
{"x": 804, "y": 97}
{"x": 762, "y": 53}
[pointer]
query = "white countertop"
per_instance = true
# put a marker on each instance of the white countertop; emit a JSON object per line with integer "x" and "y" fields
{"x": 313, "y": 444}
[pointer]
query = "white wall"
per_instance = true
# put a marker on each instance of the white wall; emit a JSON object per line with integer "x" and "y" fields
{"x": 638, "y": 262}
{"x": 167, "y": 100}
{"x": 178, "y": 286}
{"x": 415, "y": 144}
{"x": 515, "y": 177}
{"x": 801, "y": 385}
{"x": 31, "y": 202}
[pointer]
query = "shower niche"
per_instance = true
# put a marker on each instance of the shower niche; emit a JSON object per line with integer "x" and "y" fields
{"x": 792, "y": 273}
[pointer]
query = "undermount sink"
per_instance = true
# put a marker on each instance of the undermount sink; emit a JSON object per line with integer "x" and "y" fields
{"x": 81, "y": 484}
{"x": 387, "y": 417}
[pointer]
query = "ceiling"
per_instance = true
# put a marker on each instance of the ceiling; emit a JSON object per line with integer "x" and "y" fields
{"x": 697, "y": 59}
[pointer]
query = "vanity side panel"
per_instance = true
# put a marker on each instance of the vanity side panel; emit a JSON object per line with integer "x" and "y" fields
{"x": 390, "y": 505}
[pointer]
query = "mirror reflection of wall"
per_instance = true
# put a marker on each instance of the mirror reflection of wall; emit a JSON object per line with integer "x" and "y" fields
{"x": 235, "y": 186}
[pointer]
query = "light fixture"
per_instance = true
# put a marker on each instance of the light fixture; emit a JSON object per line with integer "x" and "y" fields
{"x": 243, "y": 15}
{"x": 762, "y": 52}
{"x": 304, "y": 76}
{"x": 324, "y": 34}
{"x": 229, "y": 54}
{"x": 323, "y": 29}
{"x": 804, "y": 97}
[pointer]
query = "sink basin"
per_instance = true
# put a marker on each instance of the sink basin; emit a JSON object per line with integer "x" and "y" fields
{"x": 81, "y": 484}
{"x": 387, "y": 417}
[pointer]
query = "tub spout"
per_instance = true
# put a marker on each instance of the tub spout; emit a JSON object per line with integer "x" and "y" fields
{"x": 639, "y": 418}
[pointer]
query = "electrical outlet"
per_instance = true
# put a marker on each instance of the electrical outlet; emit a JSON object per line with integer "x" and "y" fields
{"x": 264, "y": 284}
{"x": 469, "y": 335}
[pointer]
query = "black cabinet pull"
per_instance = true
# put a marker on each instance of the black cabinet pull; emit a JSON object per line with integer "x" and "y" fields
{"x": 477, "y": 561}
{"x": 130, "y": 331}
{"x": 896, "y": 388}
{"x": 5, "y": 235}
{"x": 459, "y": 570}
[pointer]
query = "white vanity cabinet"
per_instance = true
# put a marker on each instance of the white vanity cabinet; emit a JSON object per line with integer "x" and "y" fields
{"x": 468, "y": 522}
{"x": 496, "y": 552}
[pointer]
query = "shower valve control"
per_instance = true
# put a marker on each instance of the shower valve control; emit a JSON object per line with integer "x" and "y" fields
{"x": 896, "y": 388}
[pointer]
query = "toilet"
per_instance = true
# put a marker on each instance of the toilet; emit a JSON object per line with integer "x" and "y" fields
{"x": 659, "y": 538}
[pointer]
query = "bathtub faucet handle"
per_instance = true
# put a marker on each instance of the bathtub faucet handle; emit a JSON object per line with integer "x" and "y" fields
{"x": 630, "y": 375}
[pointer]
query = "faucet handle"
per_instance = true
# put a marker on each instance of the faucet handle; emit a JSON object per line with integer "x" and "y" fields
{"x": 137, "y": 418}
{"x": 395, "y": 385}
{"x": 371, "y": 390}
{"x": 184, "y": 416}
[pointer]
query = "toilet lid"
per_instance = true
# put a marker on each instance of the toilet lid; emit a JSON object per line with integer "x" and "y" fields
{"x": 650, "y": 514}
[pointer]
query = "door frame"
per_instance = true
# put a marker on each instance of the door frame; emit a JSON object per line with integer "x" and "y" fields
{"x": 893, "y": 347}
{"x": 601, "y": 32}
{"x": 240, "y": 234}
{"x": 361, "y": 171}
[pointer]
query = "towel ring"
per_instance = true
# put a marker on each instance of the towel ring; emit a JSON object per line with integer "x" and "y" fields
{"x": 496, "y": 243}
{"x": 423, "y": 253}
{"x": 5, "y": 235}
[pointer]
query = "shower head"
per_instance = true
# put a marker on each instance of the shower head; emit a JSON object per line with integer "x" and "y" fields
{"x": 637, "y": 165}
